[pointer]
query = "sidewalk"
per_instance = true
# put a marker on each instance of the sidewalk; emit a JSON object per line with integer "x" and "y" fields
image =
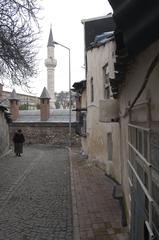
{"x": 96, "y": 214}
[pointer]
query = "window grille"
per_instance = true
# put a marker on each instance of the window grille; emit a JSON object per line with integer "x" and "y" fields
{"x": 143, "y": 169}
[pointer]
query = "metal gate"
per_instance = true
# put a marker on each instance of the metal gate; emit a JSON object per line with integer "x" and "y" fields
{"x": 143, "y": 166}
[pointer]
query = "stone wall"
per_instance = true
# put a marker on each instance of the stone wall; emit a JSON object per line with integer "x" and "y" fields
{"x": 4, "y": 133}
{"x": 46, "y": 133}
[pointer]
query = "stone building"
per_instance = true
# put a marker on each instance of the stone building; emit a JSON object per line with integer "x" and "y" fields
{"x": 128, "y": 117}
{"x": 27, "y": 102}
{"x": 136, "y": 86}
{"x": 102, "y": 109}
{"x": 101, "y": 141}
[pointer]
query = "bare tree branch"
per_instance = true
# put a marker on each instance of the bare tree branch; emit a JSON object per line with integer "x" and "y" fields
{"x": 19, "y": 31}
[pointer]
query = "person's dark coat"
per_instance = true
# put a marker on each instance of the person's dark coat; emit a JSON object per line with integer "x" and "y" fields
{"x": 18, "y": 140}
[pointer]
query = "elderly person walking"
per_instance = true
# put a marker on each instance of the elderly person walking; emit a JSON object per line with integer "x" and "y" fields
{"x": 18, "y": 140}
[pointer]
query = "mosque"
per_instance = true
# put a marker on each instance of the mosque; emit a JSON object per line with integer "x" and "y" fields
{"x": 47, "y": 111}
{"x": 46, "y": 125}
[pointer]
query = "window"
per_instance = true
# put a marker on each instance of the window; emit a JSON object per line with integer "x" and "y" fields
{"x": 139, "y": 172}
{"x": 143, "y": 144}
{"x": 110, "y": 146}
{"x": 106, "y": 82}
{"x": 92, "y": 90}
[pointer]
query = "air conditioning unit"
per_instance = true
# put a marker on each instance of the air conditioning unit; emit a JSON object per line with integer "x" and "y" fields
{"x": 108, "y": 110}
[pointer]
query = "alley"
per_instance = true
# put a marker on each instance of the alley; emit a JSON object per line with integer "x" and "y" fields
{"x": 51, "y": 193}
{"x": 35, "y": 195}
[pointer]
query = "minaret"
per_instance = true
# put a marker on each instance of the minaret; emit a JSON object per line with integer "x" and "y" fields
{"x": 50, "y": 63}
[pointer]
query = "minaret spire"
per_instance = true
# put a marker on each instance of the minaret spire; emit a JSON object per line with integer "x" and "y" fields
{"x": 50, "y": 64}
{"x": 50, "y": 40}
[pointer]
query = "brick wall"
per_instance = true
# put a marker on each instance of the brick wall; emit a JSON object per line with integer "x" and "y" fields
{"x": 44, "y": 109}
{"x": 46, "y": 133}
{"x": 14, "y": 109}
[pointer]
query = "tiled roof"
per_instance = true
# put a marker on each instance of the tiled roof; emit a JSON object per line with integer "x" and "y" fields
{"x": 13, "y": 95}
{"x": 79, "y": 86}
{"x": 45, "y": 94}
{"x": 102, "y": 39}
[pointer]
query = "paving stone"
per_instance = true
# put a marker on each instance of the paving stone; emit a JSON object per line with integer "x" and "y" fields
{"x": 36, "y": 201}
{"x": 96, "y": 211}
{"x": 35, "y": 194}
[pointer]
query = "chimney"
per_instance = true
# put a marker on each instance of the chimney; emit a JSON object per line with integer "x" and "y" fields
{"x": 14, "y": 105}
{"x": 44, "y": 105}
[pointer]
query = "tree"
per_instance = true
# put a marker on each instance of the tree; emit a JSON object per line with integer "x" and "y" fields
{"x": 62, "y": 99}
{"x": 19, "y": 30}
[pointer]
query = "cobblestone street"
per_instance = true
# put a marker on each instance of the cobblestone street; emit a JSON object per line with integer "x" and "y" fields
{"x": 50, "y": 193}
{"x": 35, "y": 195}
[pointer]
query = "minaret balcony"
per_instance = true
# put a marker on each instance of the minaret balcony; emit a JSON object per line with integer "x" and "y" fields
{"x": 49, "y": 62}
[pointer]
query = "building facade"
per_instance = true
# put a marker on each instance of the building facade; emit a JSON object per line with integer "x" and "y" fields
{"x": 139, "y": 130}
{"x": 135, "y": 85}
{"x": 26, "y": 102}
{"x": 102, "y": 133}
{"x": 122, "y": 115}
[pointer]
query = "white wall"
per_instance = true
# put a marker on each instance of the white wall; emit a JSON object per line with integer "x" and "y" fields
{"x": 97, "y": 131}
{"x": 84, "y": 139}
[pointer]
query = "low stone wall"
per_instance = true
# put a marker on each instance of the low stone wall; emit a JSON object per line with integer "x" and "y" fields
{"x": 46, "y": 133}
{"x": 4, "y": 134}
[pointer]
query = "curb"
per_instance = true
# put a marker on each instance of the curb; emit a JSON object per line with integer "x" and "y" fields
{"x": 76, "y": 232}
{"x": 6, "y": 153}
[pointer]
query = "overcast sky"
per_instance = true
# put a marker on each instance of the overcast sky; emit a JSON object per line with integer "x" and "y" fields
{"x": 65, "y": 17}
